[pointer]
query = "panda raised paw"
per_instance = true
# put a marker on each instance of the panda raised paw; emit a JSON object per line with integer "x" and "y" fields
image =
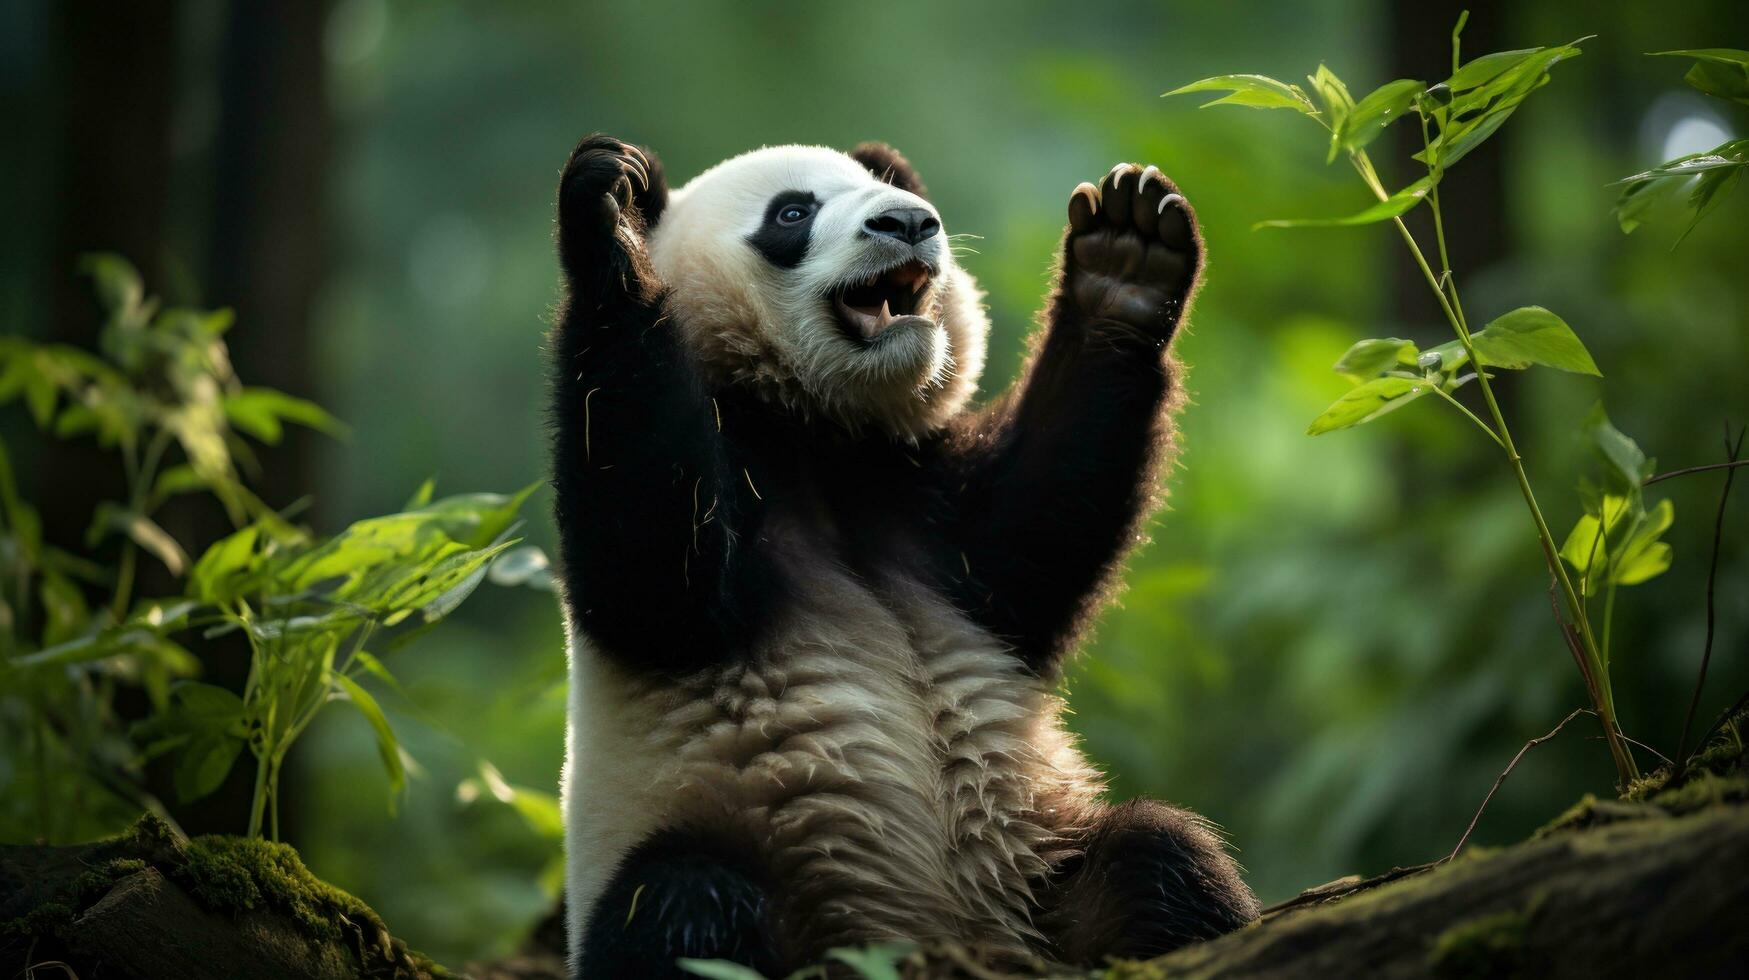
{"x": 604, "y": 180}
{"x": 1132, "y": 252}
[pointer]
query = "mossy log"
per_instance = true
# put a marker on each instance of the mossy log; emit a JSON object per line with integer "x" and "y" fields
{"x": 1639, "y": 892}
{"x": 149, "y": 905}
{"x": 1655, "y": 885}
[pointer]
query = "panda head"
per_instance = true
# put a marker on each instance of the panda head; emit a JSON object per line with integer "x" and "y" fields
{"x": 824, "y": 281}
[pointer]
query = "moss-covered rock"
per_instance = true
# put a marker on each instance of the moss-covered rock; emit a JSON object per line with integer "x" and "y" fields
{"x": 1492, "y": 945}
{"x": 149, "y": 904}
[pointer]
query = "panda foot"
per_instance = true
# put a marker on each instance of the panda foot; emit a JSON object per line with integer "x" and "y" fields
{"x": 1132, "y": 252}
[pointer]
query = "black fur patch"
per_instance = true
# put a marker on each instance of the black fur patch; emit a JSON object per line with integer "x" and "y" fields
{"x": 889, "y": 165}
{"x": 1055, "y": 480}
{"x": 785, "y": 243}
{"x": 675, "y": 895}
{"x": 1152, "y": 878}
{"x": 653, "y": 516}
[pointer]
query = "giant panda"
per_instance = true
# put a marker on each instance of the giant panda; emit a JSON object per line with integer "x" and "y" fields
{"x": 817, "y": 603}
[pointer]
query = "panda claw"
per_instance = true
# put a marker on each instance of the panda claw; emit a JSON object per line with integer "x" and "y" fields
{"x": 1117, "y": 196}
{"x": 1083, "y": 206}
{"x": 1172, "y": 198}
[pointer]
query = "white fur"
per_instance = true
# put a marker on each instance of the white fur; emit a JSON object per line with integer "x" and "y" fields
{"x": 773, "y": 329}
{"x": 892, "y": 762}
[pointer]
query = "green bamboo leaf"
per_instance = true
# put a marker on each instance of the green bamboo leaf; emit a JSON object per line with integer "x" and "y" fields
{"x": 1727, "y": 155}
{"x": 1712, "y": 187}
{"x": 1337, "y": 105}
{"x": 540, "y": 811}
{"x": 215, "y": 576}
{"x": 1486, "y": 93}
{"x": 1370, "y": 358}
{"x": 110, "y": 517}
{"x": 1397, "y": 204}
{"x": 465, "y": 572}
{"x": 1256, "y": 91}
{"x": 1532, "y": 335}
{"x": 65, "y": 614}
{"x": 1644, "y": 556}
{"x": 388, "y": 747}
{"x": 116, "y": 280}
{"x": 1333, "y": 93}
{"x": 374, "y": 667}
{"x": 261, "y": 412}
{"x": 1721, "y": 72}
{"x": 1625, "y": 466}
{"x": 1381, "y": 107}
{"x": 40, "y": 394}
{"x": 204, "y": 763}
{"x": 1368, "y": 401}
{"x": 1488, "y": 67}
{"x": 1643, "y": 564}
{"x": 421, "y": 496}
{"x": 876, "y": 961}
{"x": 1582, "y": 549}
{"x": 178, "y": 479}
{"x": 718, "y": 969}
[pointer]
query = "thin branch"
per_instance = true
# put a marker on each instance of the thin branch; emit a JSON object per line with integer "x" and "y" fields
{"x": 1733, "y": 464}
{"x": 1732, "y": 451}
{"x": 1634, "y": 741}
{"x": 1725, "y": 717}
{"x": 1465, "y": 839}
{"x": 1441, "y": 392}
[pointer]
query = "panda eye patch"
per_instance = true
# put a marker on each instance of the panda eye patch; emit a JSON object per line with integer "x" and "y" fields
{"x": 784, "y": 230}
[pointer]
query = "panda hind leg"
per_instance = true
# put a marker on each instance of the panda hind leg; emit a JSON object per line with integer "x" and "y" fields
{"x": 1150, "y": 879}
{"x": 678, "y": 896}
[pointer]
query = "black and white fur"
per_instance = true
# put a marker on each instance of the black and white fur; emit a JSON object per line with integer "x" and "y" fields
{"x": 817, "y": 605}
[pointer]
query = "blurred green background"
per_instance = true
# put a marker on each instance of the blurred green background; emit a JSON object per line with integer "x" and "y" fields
{"x": 1332, "y": 645}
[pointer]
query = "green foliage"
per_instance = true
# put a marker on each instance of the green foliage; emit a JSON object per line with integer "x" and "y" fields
{"x": 1390, "y": 373}
{"x": 164, "y": 397}
{"x": 1721, "y": 72}
{"x": 1709, "y": 177}
{"x": 307, "y": 608}
{"x": 1402, "y": 202}
{"x": 1256, "y": 91}
{"x": 1617, "y": 541}
{"x": 875, "y": 961}
{"x": 1462, "y": 111}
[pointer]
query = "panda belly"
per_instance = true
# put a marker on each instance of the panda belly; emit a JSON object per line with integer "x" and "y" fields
{"x": 888, "y": 761}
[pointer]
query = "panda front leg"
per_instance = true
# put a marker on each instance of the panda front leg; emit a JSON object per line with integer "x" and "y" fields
{"x": 1149, "y": 879}
{"x": 656, "y": 528}
{"x": 1061, "y": 472}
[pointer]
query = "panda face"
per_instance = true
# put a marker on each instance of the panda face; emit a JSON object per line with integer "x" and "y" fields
{"x": 797, "y": 271}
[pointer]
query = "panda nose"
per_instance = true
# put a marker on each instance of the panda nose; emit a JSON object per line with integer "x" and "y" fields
{"x": 908, "y": 225}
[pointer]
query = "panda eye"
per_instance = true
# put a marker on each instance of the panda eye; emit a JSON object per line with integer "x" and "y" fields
{"x": 793, "y": 213}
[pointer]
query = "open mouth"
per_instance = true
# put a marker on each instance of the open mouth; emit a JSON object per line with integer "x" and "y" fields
{"x": 867, "y": 309}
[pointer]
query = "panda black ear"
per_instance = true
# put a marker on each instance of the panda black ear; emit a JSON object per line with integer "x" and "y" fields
{"x": 889, "y": 165}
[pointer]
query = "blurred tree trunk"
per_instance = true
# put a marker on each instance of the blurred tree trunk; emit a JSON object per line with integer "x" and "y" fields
{"x": 1473, "y": 198}
{"x": 267, "y": 254}
{"x": 269, "y": 233}
{"x": 116, "y": 76}
{"x": 257, "y": 224}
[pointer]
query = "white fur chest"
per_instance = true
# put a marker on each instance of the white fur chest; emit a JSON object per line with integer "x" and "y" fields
{"x": 891, "y": 762}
